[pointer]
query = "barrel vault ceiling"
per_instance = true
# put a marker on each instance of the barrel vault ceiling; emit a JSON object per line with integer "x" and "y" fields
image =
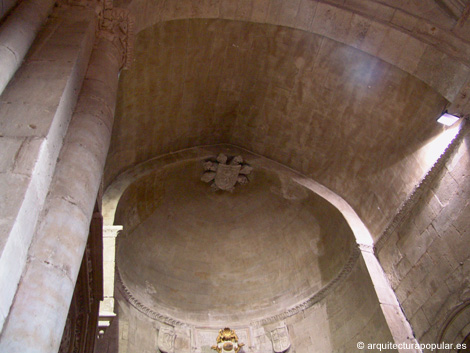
{"x": 297, "y": 82}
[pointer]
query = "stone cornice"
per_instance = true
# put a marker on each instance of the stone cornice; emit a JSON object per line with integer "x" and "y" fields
{"x": 127, "y": 294}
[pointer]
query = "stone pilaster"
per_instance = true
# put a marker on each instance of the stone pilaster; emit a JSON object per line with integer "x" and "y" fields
{"x": 398, "y": 325}
{"x": 106, "y": 314}
{"x": 38, "y": 314}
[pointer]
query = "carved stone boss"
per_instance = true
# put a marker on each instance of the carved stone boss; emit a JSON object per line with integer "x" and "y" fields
{"x": 226, "y": 172}
{"x": 166, "y": 340}
{"x": 280, "y": 339}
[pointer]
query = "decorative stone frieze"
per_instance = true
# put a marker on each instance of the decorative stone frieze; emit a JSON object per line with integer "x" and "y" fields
{"x": 315, "y": 298}
{"x": 141, "y": 307}
{"x": 117, "y": 25}
{"x": 114, "y": 24}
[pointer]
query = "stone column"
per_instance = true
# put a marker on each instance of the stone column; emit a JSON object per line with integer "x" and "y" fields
{"x": 32, "y": 130}
{"x": 18, "y": 33}
{"x": 38, "y": 314}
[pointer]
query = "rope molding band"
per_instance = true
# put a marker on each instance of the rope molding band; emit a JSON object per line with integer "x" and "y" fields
{"x": 315, "y": 298}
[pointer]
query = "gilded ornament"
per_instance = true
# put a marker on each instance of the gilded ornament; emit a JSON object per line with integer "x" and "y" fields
{"x": 227, "y": 342}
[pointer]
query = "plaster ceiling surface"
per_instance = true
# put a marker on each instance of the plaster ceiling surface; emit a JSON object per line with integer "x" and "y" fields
{"x": 198, "y": 255}
{"x": 343, "y": 117}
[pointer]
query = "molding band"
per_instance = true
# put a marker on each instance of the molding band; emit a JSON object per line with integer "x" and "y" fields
{"x": 315, "y": 298}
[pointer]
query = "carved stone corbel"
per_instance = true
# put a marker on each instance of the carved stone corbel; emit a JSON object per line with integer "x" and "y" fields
{"x": 117, "y": 26}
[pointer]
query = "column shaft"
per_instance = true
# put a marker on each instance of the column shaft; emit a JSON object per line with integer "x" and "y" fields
{"x": 38, "y": 314}
{"x": 18, "y": 33}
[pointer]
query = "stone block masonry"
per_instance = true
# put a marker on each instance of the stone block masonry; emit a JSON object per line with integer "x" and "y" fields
{"x": 35, "y": 110}
{"x": 426, "y": 258}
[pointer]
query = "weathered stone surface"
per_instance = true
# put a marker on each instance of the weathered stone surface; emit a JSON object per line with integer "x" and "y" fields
{"x": 282, "y": 93}
{"x": 17, "y": 33}
{"x": 349, "y": 315}
{"x": 331, "y": 22}
{"x": 301, "y": 99}
{"x": 61, "y": 236}
{"x": 438, "y": 70}
{"x": 9, "y": 147}
{"x": 42, "y": 302}
{"x": 40, "y": 121}
{"x": 436, "y": 281}
{"x": 404, "y": 20}
{"x": 423, "y": 23}
{"x": 203, "y": 280}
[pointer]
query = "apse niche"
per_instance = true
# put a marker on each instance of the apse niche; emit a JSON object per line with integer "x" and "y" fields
{"x": 207, "y": 256}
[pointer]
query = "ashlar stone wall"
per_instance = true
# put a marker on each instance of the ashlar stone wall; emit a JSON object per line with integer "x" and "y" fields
{"x": 349, "y": 315}
{"x": 427, "y": 257}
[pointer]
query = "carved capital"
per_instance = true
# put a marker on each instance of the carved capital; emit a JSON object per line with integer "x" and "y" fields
{"x": 117, "y": 26}
{"x": 114, "y": 24}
